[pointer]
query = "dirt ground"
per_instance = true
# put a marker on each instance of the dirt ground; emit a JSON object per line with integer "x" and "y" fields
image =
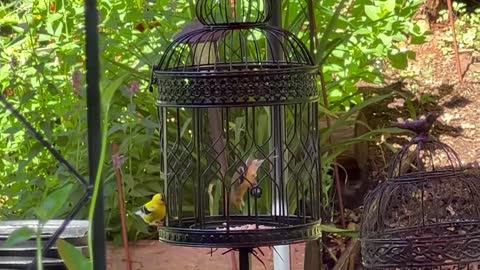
{"x": 431, "y": 83}
{"x": 153, "y": 255}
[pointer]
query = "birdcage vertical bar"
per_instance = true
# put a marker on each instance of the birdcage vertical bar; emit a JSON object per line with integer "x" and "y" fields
{"x": 94, "y": 128}
{"x": 198, "y": 185}
{"x": 162, "y": 117}
{"x": 281, "y": 259}
{"x": 317, "y": 185}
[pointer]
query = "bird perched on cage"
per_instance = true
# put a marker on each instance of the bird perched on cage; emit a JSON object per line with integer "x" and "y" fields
{"x": 421, "y": 126}
{"x": 154, "y": 211}
{"x": 243, "y": 180}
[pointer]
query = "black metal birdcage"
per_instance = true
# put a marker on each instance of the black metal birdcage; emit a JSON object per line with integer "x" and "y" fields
{"x": 239, "y": 133}
{"x": 427, "y": 214}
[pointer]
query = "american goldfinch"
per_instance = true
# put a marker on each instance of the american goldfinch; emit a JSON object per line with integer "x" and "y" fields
{"x": 154, "y": 211}
{"x": 243, "y": 180}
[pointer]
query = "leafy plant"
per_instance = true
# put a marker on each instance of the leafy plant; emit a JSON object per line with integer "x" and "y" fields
{"x": 366, "y": 34}
{"x": 466, "y": 26}
{"x": 48, "y": 208}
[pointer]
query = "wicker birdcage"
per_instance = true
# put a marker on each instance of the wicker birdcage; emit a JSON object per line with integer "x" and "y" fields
{"x": 426, "y": 215}
{"x": 233, "y": 91}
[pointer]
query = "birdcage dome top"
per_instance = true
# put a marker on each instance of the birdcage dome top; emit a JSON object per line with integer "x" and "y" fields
{"x": 231, "y": 57}
{"x": 423, "y": 154}
{"x": 235, "y": 65}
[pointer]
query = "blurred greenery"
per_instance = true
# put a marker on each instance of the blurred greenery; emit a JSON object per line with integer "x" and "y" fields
{"x": 467, "y": 27}
{"x": 42, "y": 72}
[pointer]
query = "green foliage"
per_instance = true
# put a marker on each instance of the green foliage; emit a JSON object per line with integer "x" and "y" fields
{"x": 51, "y": 205}
{"x": 18, "y": 236}
{"x": 72, "y": 257}
{"x": 42, "y": 72}
{"x": 366, "y": 34}
{"x": 467, "y": 27}
{"x": 42, "y": 68}
{"x": 48, "y": 208}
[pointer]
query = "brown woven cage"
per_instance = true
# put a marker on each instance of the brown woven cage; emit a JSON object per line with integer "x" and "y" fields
{"x": 426, "y": 215}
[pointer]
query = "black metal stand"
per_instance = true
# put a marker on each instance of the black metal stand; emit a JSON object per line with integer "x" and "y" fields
{"x": 94, "y": 129}
{"x": 243, "y": 258}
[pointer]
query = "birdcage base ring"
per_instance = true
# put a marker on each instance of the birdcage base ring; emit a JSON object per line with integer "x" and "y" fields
{"x": 457, "y": 243}
{"x": 243, "y": 232}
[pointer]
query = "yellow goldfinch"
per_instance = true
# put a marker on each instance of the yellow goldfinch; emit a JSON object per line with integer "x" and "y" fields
{"x": 154, "y": 211}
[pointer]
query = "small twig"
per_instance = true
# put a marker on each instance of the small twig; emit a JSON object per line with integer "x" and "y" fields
{"x": 117, "y": 164}
{"x": 347, "y": 259}
{"x": 253, "y": 252}
{"x": 455, "y": 44}
{"x": 261, "y": 252}
{"x": 330, "y": 253}
{"x": 228, "y": 251}
{"x": 260, "y": 260}
{"x": 212, "y": 250}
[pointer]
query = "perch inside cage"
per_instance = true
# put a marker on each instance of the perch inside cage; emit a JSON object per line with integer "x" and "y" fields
{"x": 426, "y": 215}
{"x": 238, "y": 110}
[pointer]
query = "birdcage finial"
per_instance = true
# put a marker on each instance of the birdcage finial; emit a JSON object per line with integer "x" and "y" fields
{"x": 233, "y": 12}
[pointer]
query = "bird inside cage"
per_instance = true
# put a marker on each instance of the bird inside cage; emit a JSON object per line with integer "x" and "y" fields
{"x": 244, "y": 179}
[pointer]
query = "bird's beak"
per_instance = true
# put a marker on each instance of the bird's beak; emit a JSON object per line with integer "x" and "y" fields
{"x": 139, "y": 213}
{"x": 259, "y": 162}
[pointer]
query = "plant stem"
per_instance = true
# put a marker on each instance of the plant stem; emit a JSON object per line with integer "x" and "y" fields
{"x": 455, "y": 44}
{"x": 98, "y": 184}
{"x": 118, "y": 172}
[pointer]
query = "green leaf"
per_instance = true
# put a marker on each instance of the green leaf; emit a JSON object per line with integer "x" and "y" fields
{"x": 418, "y": 39}
{"x": 343, "y": 119}
{"x": 72, "y": 257}
{"x": 18, "y": 236}
{"x": 53, "y": 203}
{"x": 389, "y": 6}
{"x": 398, "y": 60}
{"x": 372, "y": 12}
{"x": 326, "y": 111}
{"x": 364, "y": 31}
{"x": 108, "y": 89}
{"x": 328, "y": 32}
{"x": 386, "y": 40}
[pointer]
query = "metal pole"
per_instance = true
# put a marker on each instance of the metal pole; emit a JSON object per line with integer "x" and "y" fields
{"x": 244, "y": 258}
{"x": 94, "y": 128}
{"x": 281, "y": 258}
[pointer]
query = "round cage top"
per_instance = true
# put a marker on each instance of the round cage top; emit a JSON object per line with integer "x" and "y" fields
{"x": 427, "y": 213}
{"x": 423, "y": 153}
{"x": 235, "y": 65}
{"x": 232, "y": 12}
